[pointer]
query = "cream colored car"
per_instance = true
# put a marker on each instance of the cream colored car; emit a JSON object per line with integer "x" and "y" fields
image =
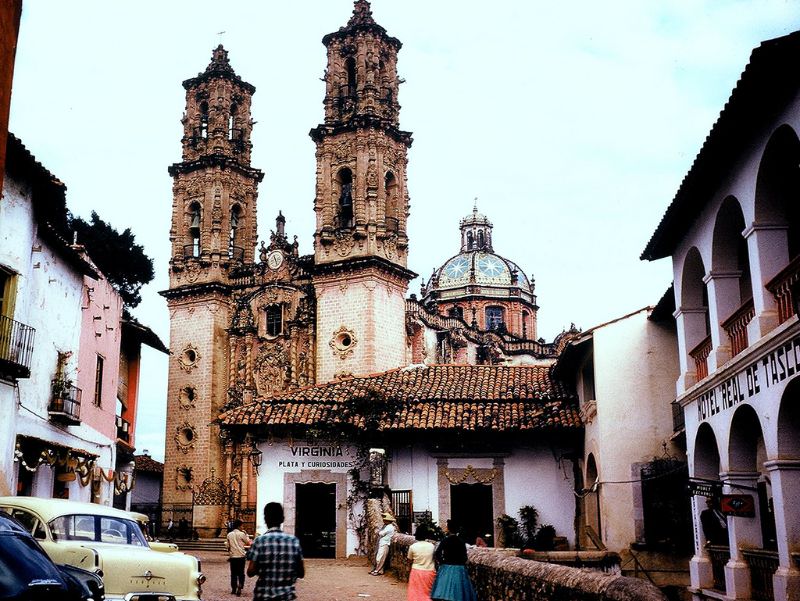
{"x": 109, "y": 542}
{"x": 156, "y": 545}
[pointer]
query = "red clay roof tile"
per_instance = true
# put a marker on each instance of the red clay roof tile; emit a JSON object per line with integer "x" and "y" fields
{"x": 436, "y": 397}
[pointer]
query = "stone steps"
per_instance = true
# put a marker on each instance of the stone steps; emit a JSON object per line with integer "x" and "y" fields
{"x": 202, "y": 544}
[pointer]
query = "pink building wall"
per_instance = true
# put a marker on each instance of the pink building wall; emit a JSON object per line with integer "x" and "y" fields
{"x": 100, "y": 336}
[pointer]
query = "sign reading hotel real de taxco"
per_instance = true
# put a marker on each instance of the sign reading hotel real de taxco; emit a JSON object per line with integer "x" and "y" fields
{"x": 308, "y": 455}
{"x": 768, "y": 370}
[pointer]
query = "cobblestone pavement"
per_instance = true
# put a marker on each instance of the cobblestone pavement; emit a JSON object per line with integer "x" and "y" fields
{"x": 326, "y": 580}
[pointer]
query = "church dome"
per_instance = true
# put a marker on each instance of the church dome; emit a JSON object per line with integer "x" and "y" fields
{"x": 477, "y": 269}
{"x": 480, "y": 267}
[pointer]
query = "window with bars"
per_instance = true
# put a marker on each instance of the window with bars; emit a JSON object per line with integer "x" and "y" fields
{"x": 274, "y": 315}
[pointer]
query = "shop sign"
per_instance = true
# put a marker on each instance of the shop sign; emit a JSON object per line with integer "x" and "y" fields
{"x": 314, "y": 457}
{"x": 738, "y": 506}
{"x": 704, "y": 488}
{"x": 763, "y": 373}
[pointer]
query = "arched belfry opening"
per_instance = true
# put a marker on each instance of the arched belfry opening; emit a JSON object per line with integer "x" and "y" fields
{"x": 232, "y": 121}
{"x": 235, "y": 248}
{"x": 390, "y": 190}
{"x": 344, "y": 214}
{"x": 350, "y": 67}
{"x": 195, "y": 222}
{"x": 204, "y": 120}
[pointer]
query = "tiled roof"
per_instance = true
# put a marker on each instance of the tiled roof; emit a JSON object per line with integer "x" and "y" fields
{"x": 145, "y": 463}
{"x": 436, "y": 397}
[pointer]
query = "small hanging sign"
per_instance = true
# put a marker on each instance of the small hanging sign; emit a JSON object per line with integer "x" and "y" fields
{"x": 739, "y": 506}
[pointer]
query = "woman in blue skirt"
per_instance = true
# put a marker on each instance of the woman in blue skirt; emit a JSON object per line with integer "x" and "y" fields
{"x": 452, "y": 581}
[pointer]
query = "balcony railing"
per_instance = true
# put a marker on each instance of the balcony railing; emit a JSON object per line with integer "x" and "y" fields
{"x": 236, "y": 253}
{"x": 65, "y": 404}
{"x": 123, "y": 429}
{"x": 785, "y": 288}
{"x": 736, "y": 326}
{"x": 719, "y": 556}
{"x": 763, "y": 565}
{"x": 16, "y": 348}
{"x": 190, "y": 250}
{"x": 678, "y": 418}
{"x": 700, "y": 355}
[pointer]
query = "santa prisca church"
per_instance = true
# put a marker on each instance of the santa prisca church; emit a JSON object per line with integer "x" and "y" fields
{"x": 313, "y": 380}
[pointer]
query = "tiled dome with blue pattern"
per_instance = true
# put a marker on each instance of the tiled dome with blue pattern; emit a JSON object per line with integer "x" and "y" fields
{"x": 477, "y": 263}
{"x": 488, "y": 268}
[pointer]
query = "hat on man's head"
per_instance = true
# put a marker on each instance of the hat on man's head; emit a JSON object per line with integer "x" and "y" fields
{"x": 388, "y": 517}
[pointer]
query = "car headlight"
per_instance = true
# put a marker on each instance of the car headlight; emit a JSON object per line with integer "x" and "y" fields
{"x": 201, "y": 578}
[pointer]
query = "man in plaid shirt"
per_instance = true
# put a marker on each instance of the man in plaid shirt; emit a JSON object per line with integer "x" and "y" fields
{"x": 276, "y": 558}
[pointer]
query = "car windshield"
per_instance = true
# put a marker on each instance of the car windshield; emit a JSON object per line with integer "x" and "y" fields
{"x": 97, "y": 528}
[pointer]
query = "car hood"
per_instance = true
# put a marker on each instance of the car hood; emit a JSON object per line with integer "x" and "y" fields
{"x": 127, "y": 569}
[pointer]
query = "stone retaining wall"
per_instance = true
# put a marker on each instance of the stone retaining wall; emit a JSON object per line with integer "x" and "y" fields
{"x": 500, "y": 577}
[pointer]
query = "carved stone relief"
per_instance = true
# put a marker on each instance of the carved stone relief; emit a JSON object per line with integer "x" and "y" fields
{"x": 187, "y": 397}
{"x": 188, "y": 358}
{"x": 272, "y": 369}
{"x": 343, "y": 342}
{"x": 343, "y": 243}
{"x": 185, "y": 436}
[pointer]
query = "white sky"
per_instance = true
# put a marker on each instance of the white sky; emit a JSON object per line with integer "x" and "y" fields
{"x": 572, "y": 122}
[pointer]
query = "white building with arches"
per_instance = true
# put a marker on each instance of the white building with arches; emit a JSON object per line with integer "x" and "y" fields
{"x": 733, "y": 233}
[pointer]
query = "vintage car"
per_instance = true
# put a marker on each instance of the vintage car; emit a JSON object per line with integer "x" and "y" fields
{"x": 155, "y": 544}
{"x": 27, "y": 573}
{"x": 109, "y": 542}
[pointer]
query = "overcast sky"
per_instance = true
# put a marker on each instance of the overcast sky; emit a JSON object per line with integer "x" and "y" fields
{"x": 573, "y": 123}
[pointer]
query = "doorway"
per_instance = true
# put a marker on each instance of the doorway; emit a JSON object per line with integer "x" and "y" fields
{"x": 315, "y": 522}
{"x": 471, "y": 511}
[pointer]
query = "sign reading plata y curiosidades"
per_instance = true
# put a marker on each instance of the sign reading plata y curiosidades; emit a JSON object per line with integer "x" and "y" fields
{"x": 306, "y": 456}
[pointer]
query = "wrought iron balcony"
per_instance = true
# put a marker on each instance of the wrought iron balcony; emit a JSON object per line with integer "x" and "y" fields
{"x": 16, "y": 348}
{"x": 123, "y": 429}
{"x": 719, "y": 556}
{"x": 65, "y": 404}
{"x": 763, "y": 565}
{"x": 678, "y": 418}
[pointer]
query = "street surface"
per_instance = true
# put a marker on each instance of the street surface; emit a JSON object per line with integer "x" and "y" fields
{"x": 326, "y": 580}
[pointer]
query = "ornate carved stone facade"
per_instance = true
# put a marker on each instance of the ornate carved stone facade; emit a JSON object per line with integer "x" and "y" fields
{"x": 250, "y": 321}
{"x": 360, "y": 242}
{"x": 241, "y": 318}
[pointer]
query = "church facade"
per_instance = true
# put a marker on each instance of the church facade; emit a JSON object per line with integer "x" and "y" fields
{"x": 279, "y": 360}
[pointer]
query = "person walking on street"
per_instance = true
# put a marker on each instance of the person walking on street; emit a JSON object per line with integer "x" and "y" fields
{"x": 452, "y": 581}
{"x": 276, "y": 558}
{"x": 423, "y": 569}
{"x": 237, "y": 543}
{"x": 384, "y": 541}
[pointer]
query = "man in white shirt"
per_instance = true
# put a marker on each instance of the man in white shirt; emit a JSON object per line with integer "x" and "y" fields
{"x": 237, "y": 543}
{"x": 385, "y": 539}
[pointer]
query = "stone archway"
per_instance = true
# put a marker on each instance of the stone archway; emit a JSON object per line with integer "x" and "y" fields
{"x": 784, "y": 473}
{"x": 290, "y": 482}
{"x": 591, "y": 502}
{"x": 493, "y": 476}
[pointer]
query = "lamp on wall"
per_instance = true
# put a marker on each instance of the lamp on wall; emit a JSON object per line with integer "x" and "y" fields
{"x": 255, "y": 456}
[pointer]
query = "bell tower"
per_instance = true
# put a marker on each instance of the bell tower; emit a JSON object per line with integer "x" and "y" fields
{"x": 213, "y": 234}
{"x": 214, "y": 188}
{"x": 361, "y": 204}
